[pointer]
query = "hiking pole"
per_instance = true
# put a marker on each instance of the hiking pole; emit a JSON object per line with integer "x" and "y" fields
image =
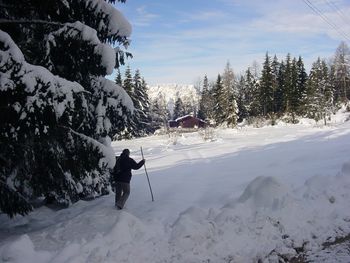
{"x": 150, "y": 188}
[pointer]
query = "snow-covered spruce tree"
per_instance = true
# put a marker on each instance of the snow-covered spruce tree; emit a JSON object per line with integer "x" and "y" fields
{"x": 128, "y": 84}
{"x": 280, "y": 90}
{"x": 242, "y": 107}
{"x": 139, "y": 123}
{"x": 209, "y": 101}
{"x": 189, "y": 105}
{"x": 267, "y": 88}
{"x": 293, "y": 93}
{"x": 288, "y": 84}
{"x": 228, "y": 97}
{"x": 159, "y": 113}
{"x": 319, "y": 93}
{"x": 293, "y": 81}
{"x": 57, "y": 117}
{"x": 275, "y": 66}
{"x": 179, "y": 109}
{"x": 206, "y": 104}
{"x": 332, "y": 87}
{"x": 201, "y": 113}
{"x": 125, "y": 124}
{"x": 129, "y": 125}
{"x": 232, "y": 111}
{"x": 251, "y": 93}
{"x": 141, "y": 104}
{"x": 300, "y": 85}
{"x": 148, "y": 107}
{"x": 118, "y": 78}
{"x": 217, "y": 95}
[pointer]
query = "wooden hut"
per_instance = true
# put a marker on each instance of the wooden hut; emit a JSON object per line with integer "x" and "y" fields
{"x": 187, "y": 122}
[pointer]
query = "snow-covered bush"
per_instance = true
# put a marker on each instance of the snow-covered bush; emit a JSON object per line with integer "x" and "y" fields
{"x": 57, "y": 116}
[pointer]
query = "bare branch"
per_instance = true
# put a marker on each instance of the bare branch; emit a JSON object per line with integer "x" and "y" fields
{"x": 6, "y": 21}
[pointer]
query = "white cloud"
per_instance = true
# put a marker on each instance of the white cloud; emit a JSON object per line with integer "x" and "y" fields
{"x": 203, "y": 15}
{"x": 198, "y": 43}
{"x": 144, "y": 17}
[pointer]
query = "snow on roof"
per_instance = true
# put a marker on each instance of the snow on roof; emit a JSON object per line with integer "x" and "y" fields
{"x": 183, "y": 117}
{"x": 188, "y": 116}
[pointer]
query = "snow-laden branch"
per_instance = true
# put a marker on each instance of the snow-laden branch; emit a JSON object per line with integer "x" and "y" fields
{"x": 105, "y": 147}
{"x": 78, "y": 30}
{"x": 31, "y": 75}
{"x": 117, "y": 24}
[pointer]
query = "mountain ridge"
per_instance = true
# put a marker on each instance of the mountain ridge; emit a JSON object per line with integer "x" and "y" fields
{"x": 171, "y": 91}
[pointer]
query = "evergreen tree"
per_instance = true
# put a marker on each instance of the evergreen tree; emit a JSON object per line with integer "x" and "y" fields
{"x": 159, "y": 113}
{"x": 217, "y": 95}
{"x": 275, "y": 66}
{"x": 280, "y": 90}
{"x": 319, "y": 95}
{"x": 118, "y": 78}
{"x": 288, "y": 84}
{"x": 55, "y": 136}
{"x": 241, "y": 100}
{"x": 179, "y": 109}
{"x": 252, "y": 93}
{"x": 232, "y": 111}
{"x": 202, "y": 111}
{"x": 146, "y": 107}
{"x": 128, "y": 84}
{"x": 138, "y": 123}
{"x": 141, "y": 104}
{"x": 333, "y": 86}
{"x": 228, "y": 97}
{"x": 247, "y": 100}
{"x": 129, "y": 124}
{"x": 137, "y": 100}
{"x": 293, "y": 93}
{"x": 327, "y": 102}
{"x": 300, "y": 85}
{"x": 267, "y": 88}
{"x": 206, "y": 103}
{"x": 189, "y": 106}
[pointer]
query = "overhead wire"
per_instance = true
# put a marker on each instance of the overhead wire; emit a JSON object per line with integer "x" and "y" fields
{"x": 326, "y": 19}
{"x": 338, "y": 10}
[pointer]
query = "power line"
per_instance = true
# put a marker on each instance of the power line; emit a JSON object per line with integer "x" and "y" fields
{"x": 326, "y": 19}
{"x": 339, "y": 11}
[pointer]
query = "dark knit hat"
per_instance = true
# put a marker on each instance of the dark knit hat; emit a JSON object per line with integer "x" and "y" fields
{"x": 126, "y": 152}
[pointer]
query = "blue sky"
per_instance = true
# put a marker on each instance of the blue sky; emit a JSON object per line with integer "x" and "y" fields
{"x": 180, "y": 41}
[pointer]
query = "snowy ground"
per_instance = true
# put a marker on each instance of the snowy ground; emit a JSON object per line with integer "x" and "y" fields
{"x": 246, "y": 195}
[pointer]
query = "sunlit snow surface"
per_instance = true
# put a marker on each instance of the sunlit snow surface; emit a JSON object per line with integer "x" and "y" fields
{"x": 246, "y": 194}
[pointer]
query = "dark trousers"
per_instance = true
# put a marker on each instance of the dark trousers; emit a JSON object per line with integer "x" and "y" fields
{"x": 121, "y": 194}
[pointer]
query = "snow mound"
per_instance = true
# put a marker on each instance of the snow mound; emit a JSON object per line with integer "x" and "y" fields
{"x": 191, "y": 236}
{"x": 345, "y": 170}
{"x": 20, "y": 249}
{"x": 192, "y": 226}
{"x": 265, "y": 192}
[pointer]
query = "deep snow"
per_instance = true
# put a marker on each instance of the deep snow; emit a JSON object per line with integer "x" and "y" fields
{"x": 245, "y": 195}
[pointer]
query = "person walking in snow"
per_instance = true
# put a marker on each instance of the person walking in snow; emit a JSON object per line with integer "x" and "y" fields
{"x": 123, "y": 177}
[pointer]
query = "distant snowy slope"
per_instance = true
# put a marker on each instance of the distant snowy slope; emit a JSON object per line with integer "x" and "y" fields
{"x": 170, "y": 92}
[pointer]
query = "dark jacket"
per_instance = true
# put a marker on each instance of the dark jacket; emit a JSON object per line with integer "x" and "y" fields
{"x": 126, "y": 164}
